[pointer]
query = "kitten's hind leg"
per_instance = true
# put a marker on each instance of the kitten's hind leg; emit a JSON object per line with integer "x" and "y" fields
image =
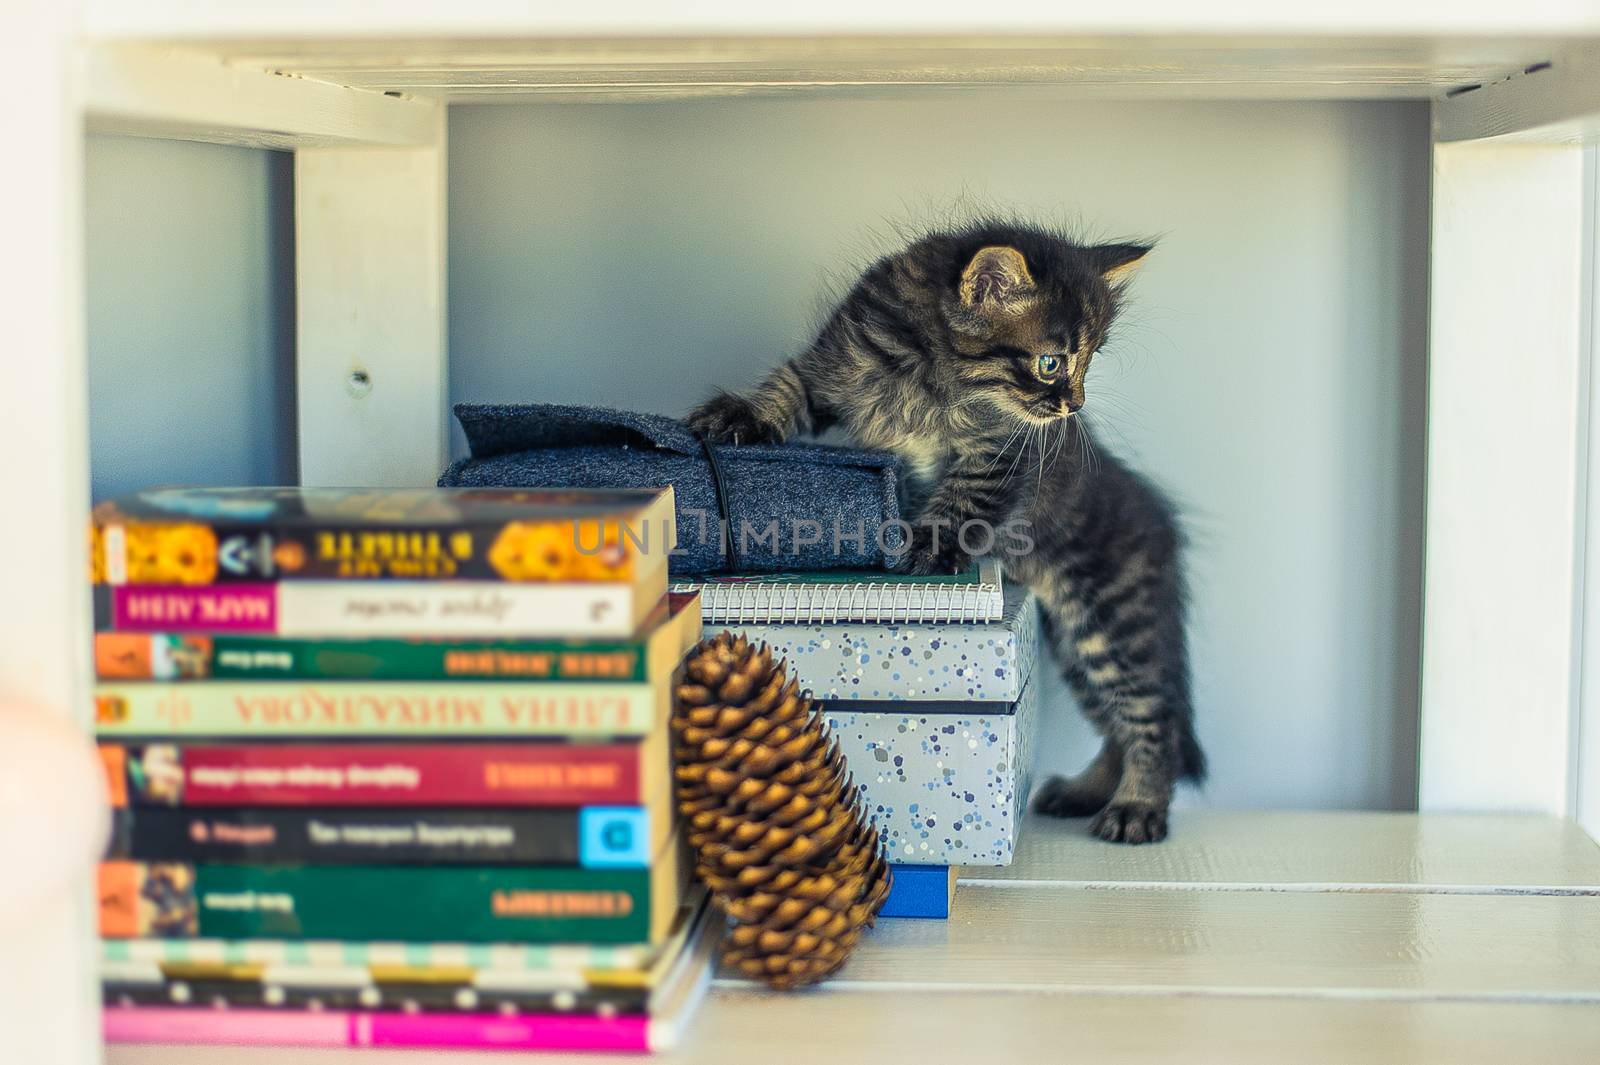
{"x": 1120, "y": 641}
{"x": 1086, "y": 793}
{"x": 1135, "y": 687}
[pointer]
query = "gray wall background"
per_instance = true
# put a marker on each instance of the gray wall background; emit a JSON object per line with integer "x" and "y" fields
{"x": 190, "y": 261}
{"x": 1270, "y": 373}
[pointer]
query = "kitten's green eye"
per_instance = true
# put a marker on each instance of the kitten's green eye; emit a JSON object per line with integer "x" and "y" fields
{"x": 1048, "y": 365}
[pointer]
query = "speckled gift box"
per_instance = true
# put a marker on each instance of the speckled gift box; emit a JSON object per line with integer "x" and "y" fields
{"x": 980, "y": 663}
{"x": 946, "y": 782}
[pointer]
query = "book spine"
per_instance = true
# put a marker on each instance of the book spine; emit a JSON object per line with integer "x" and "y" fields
{"x": 183, "y": 551}
{"x": 466, "y": 774}
{"x": 332, "y": 1028}
{"x": 236, "y": 608}
{"x": 355, "y": 989}
{"x": 559, "y": 965}
{"x": 395, "y": 902}
{"x": 176, "y": 656}
{"x": 350, "y": 708}
{"x": 589, "y": 837}
{"x": 398, "y": 608}
{"x": 551, "y": 1032}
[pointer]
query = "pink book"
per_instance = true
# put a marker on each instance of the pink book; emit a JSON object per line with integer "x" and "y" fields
{"x": 231, "y": 608}
{"x": 333, "y": 1028}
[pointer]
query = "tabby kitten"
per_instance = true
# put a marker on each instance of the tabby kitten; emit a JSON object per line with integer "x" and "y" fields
{"x": 965, "y": 354}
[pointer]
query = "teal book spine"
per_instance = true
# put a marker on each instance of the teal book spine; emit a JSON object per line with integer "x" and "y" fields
{"x": 381, "y": 902}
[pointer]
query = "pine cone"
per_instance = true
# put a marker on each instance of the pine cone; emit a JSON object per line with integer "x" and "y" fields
{"x": 771, "y": 812}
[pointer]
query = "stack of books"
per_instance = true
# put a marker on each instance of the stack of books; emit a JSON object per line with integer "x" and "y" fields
{"x": 393, "y": 768}
{"x": 926, "y": 684}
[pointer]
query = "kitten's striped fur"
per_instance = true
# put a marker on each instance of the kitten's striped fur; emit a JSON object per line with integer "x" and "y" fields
{"x": 966, "y": 354}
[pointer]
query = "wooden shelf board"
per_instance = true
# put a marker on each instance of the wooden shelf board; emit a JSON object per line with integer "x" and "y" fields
{"x": 498, "y": 18}
{"x": 1321, "y": 851}
{"x": 1248, "y": 943}
{"x": 587, "y": 69}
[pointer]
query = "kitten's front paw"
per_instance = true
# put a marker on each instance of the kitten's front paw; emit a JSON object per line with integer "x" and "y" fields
{"x": 935, "y": 552}
{"x": 729, "y": 418}
{"x": 1130, "y": 822}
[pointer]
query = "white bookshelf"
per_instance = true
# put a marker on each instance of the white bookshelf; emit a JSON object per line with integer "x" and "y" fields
{"x": 359, "y": 92}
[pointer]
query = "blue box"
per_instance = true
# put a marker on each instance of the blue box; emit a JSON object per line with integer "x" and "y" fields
{"x": 920, "y": 891}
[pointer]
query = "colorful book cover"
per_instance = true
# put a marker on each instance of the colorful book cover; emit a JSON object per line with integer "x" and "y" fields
{"x": 391, "y": 708}
{"x": 544, "y": 904}
{"x": 337, "y": 984}
{"x": 591, "y": 837}
{"x": 453, "y": 609}
{"x": 169, "y": 536}
{"x": 340, "y": 1028}
{"x": 673, "y": 1002}
{"x": 388, "y": 774}
{"x": 946, "y": 783}
{"x": 181, "y": 657}
{"x": 564, "y": 964}
{"x": 352, "y": 708}
{"x": 430, "y": 997}
{"x": 985, "y": 662}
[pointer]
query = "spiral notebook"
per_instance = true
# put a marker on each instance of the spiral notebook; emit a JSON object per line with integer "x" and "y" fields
{"x": 826, "y": 596}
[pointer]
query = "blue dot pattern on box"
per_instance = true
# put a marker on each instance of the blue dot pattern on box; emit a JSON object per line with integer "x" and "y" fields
{"x": 982, "y": 663}
{"x": 943, "y": 789}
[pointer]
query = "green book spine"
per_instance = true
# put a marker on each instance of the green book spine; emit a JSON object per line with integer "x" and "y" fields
{"x": 181, "y": 656}
{"x": 394, "y": 903}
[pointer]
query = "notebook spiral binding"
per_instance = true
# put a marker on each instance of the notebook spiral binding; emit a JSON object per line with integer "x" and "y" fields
{"x": 875, "y": 602}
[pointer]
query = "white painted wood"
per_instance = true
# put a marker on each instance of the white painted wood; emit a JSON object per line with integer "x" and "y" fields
{"x": 586, "y": 69}
{"x": 493, "y": 18}
{"x": 1059, "y": 66}
{"x": 48, "y": 995}
{"x": 1586, "y": 725}
{"x": 1316, "y": 851}
{"x": 1558, "y": 102}
{"x": 372, "y": 379}
{"x": 1025, "y": 938}
{"x": 1022, "y": 970}
{"x": 740, "y": 1027}
{"x": 162, "y": 93}
{"x": 1501, "y": 581}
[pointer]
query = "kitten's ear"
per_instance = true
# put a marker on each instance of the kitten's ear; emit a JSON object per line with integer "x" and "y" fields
{"x": 1117, "y": 262}
{"x": 996, "y": 276}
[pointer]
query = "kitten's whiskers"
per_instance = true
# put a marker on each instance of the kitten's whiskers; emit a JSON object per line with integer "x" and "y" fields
{"x": 1003, "y": 448}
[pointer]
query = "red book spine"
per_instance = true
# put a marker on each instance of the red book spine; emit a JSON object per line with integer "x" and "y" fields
{"x": 469, "y": 774}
